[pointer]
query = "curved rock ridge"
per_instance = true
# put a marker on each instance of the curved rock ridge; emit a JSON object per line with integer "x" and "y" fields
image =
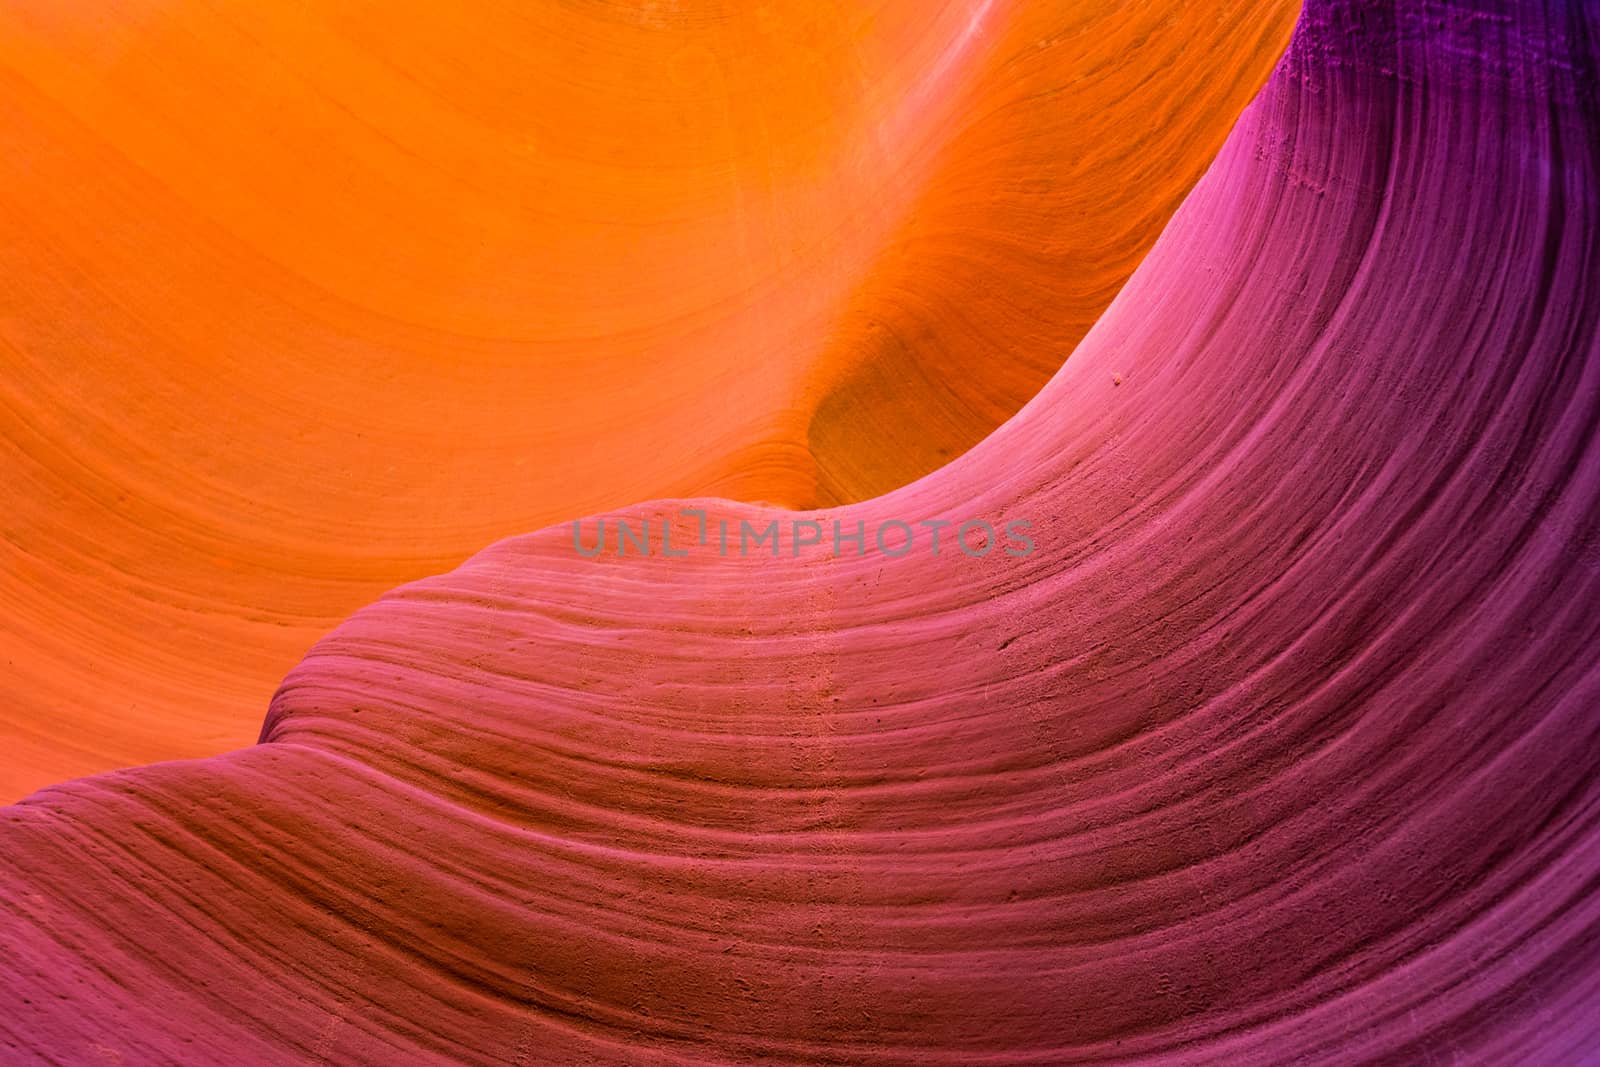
{"x": 299, "y": 302}
{"x": 1281, "y": 747}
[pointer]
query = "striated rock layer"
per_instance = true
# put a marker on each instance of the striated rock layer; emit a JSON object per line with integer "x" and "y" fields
{"x": 1281, "y": 747}
{"x": 302, "y": 301}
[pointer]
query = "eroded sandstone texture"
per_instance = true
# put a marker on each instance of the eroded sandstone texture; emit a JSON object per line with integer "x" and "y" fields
{"x": 1283, "y": 748}
{"x": 301, "y": 301}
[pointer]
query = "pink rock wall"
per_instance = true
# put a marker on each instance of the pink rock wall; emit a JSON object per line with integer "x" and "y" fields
{"x": 1282, "y": 747}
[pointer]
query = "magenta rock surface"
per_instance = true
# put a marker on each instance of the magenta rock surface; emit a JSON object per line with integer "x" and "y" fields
{"x": 1282, "y": 747}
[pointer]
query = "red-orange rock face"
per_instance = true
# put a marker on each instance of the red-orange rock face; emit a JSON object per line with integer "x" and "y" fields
{"x": 1246, "y": 711}
{"x": 302, "y": 301}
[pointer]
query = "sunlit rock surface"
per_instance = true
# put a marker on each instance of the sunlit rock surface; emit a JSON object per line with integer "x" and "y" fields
{"x": 299, "y": 302}
{"x": 1281, "y": 747}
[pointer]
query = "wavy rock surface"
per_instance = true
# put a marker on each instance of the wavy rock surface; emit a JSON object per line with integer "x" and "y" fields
{"x": 303, "y": 301}
{"x": 1282, "y": 747}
